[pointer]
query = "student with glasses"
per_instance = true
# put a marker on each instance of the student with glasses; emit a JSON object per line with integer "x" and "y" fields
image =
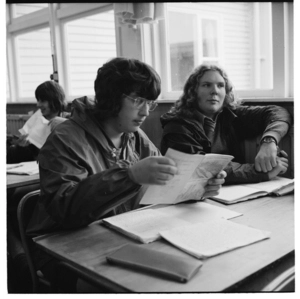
{"x": 100, "y": 155}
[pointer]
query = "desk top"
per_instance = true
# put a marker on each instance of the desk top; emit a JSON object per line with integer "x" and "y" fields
{"x": 13, "y": 181}
{"x": 86, "y": 250}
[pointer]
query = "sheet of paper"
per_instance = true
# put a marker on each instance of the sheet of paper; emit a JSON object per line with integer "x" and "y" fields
{"x": 37, "y": 129}
{"x": 167, "y": 194}
{"x": 28, "y": 168}
{"x": 143, "y": 225}
{"x": 198, "y": 212}
{"x": 207, "y": 239}
{"x": 211, "y": 165}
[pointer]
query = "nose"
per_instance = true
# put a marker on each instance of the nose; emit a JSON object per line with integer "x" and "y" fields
{"x": 214, "y": 89}
{"x": 144, "y": 111}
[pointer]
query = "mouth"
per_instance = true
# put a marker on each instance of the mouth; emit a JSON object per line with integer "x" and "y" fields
{"x": 138, "y": 122}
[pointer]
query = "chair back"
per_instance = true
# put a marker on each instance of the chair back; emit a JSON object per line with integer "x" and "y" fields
{"x": 24, "y": 213}
{"x": 285, "y": 282}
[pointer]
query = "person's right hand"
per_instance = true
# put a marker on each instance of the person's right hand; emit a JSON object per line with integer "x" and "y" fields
{"x": 280, "y": 168}
{"x": 21, "y": 141}
{"x": 153, "y": 171}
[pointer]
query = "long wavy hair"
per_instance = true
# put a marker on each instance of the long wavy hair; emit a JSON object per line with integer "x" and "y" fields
{"x": 121, "y": 76}
{"x": 187, "y": 102}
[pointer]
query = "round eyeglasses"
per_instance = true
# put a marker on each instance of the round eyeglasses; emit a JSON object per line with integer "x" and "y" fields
{"x": 139, "y": 102}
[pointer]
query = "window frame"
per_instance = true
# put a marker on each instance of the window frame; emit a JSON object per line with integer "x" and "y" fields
{"x": 54, "y": 17}
{"x": 154, "y": 43}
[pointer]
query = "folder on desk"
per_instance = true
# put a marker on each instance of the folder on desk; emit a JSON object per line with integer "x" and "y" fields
{"x": 138, "y": 257}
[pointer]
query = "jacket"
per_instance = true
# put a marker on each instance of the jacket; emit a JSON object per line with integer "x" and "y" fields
{"x": 82, "y": 174}
{"x": 234, "y": 126}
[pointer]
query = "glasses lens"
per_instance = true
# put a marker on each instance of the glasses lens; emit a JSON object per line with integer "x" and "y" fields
{"x": 152, "y": 105}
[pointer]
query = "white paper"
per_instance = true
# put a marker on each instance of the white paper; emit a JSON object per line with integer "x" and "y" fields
{"x": 37, "y": 129}
{"x": 27, "y": 168}
{"x": 145, "y": 224}
{"x": 167, "y": 194}
{"x": 190, "y": 182}
{"x": 199, "y": 212}
{"x": 207, "y": 239}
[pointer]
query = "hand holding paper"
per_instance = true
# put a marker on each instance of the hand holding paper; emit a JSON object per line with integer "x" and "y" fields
{"x": 37, "y": 129}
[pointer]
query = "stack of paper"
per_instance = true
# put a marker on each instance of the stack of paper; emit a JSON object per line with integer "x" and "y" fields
{"x": 145, "y": 224}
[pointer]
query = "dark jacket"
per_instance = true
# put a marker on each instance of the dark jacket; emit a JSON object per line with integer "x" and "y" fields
{"x": 81, "y": 173}
{"x": 235, "y": 126}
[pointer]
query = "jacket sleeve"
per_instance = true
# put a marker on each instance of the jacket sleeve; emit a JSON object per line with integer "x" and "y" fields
{"x": 179, "y": 138}
{"x": 269, "y": 120}
{"x": 74, "y": 197}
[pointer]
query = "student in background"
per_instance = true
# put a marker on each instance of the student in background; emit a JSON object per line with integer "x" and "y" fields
{"x": 100, "y": 155}
{"x": 208, "y": 119}
{"x": 51, "y": 101}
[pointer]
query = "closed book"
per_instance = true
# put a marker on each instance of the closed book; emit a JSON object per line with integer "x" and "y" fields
{"x": 138, "y": 257}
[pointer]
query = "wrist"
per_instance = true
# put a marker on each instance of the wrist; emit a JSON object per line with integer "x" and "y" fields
{"x": 268, "y": 140}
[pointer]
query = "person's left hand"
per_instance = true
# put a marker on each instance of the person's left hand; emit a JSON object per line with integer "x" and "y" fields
{"x": 214, "y": 184}
{"x": 21, "y": 140}
{"x": 56, "y": 121}
{"x": 266, "y": 160}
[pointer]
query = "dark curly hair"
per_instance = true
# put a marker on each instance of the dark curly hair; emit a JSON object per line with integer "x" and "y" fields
{"x": 121, "y": 76}
{"x": 187, "y": 103}
{"x": 54, "y": 94}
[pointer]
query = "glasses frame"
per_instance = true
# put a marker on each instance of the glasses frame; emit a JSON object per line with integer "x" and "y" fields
{"x": 151, "y": 104}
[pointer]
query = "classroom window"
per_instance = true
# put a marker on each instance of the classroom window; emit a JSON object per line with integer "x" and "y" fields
{"x": 235, "y": 36}
{"x": 33, "y": 54}
{"x": 27, "y": 8}
{"x": 90, "y": 42}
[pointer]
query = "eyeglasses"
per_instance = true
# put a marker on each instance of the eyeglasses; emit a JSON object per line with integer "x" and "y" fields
{"x": 140, "y": 102}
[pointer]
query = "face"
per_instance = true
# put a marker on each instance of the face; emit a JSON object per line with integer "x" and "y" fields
{"x": 211, "y": 93}
{"x": 130, "y": 118}
{"x": 45, "y": 109}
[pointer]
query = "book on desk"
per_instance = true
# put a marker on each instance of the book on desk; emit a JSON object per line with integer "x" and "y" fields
{"x": 236, "y": 193}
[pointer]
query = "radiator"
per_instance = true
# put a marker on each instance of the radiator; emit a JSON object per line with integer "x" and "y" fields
{"x": 14, "y": 122}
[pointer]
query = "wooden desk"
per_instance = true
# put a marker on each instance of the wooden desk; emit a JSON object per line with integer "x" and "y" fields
{"x": 86, "y": 249}
{"x": 14, "y": 181}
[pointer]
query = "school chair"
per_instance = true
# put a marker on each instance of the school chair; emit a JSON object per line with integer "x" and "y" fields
{"x": 24, "y": 212}
{"x": 285, "y": 282}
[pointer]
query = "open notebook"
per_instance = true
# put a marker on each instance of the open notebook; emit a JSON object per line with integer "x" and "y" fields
{"x": 236, "y": 193}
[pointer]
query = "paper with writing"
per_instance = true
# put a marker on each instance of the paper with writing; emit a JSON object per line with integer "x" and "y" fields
{"x": 189, "y": 183}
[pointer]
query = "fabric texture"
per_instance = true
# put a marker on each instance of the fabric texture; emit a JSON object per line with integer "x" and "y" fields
{"x": 81, "y": 172}
{"x": 232, "y": 128}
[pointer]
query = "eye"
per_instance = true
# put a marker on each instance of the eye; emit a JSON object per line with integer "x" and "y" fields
{"x": 221, "y": 85}
{"x": 140, "y": 101}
